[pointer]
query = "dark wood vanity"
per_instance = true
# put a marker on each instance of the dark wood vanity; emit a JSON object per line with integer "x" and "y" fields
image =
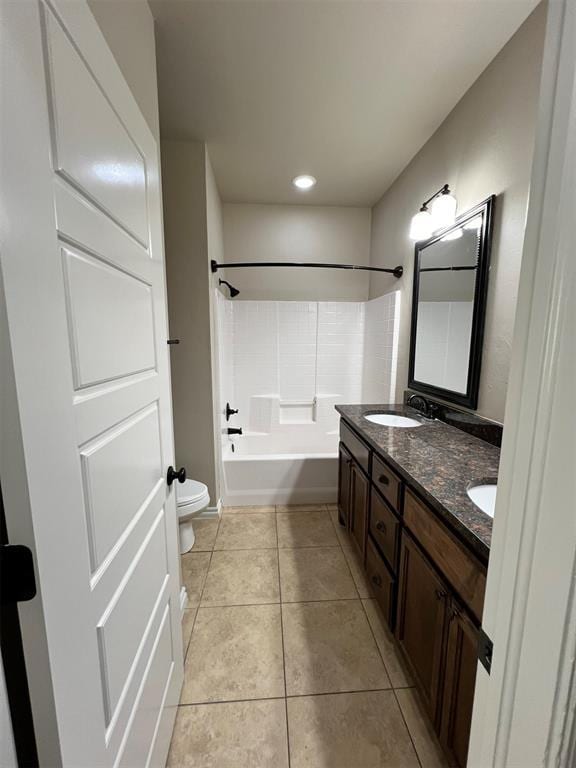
{"x": 428, "y": 582}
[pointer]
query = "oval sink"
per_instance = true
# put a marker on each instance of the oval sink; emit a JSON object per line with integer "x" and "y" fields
{"x": 484, "y": 496}
{"x": 392, "y": 420}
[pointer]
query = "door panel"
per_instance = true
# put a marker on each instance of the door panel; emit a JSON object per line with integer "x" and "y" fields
{"x": 359, "y": 489}
{"x": 119, "y": 470}
{"x": 460, "y": 677}
{"x": 83, "y": 274}
{"x": 91, "y": 146}
{"x": 421, "y": 618}
{"x": 344, "y": 462}
{"x": 118, "y": 342}
{"x": 121, "y": 628}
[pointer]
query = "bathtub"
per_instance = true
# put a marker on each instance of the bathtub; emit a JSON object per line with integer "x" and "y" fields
{"x": 293, "y": 467}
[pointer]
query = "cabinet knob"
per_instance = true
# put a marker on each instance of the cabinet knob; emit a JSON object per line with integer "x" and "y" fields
{"x": 440, "y": 594}
{"x": 384, "y": 480}
{"x": 380, "y": 526}
{"x": 377, "y": 580}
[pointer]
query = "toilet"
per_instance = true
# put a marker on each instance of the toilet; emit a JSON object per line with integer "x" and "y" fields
{"x": 191, "y": 497}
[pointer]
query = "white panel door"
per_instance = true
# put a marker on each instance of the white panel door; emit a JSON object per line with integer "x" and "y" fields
{"x": 83, "y": 273}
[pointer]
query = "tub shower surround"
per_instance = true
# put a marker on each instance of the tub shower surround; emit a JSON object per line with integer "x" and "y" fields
{"x": 285, "y": 365}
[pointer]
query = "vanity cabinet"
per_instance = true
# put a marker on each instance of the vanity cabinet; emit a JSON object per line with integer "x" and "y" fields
{"x": 428, "y": 584}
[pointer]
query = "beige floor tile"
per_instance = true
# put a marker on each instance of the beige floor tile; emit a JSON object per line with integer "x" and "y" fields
{"x": 319, "y": 573}
{"x": 205, "y": 534}
{"x": 349, "y": 730}
{"x": 248, "y": 510}
{"x": 301, "y": 508}
{"x": 305, "y": 529}
{"x": 253, "y": 531}
{"x": 341, "y": 532}
{"x": 234, "y": 653}
{"x": 357, "y": 570}
{"x": 187, "y": 624}
{"x": 329, "y": 647}
{"x": 194, "y": 570}
{"x": 429, "y": 751}
{"x": 399, "y": 675}
{"x": 241, "y": 734}
{"x": 242, "y": 577}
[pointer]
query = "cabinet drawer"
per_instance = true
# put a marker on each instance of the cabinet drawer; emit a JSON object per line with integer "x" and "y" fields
{"x": 384, "y": 528}
{"x": 381, "y": 582}
{"x": 466, "y": 574}
{"x": 387, "y": 482}
{"x": 356, "y": 447}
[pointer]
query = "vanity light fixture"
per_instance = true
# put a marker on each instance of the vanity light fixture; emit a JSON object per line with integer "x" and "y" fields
{"x": 442, "y": 213}
{"x": 304, "y": 182}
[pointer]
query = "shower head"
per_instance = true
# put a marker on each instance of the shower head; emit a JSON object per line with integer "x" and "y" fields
{"x": 233, "y": 291}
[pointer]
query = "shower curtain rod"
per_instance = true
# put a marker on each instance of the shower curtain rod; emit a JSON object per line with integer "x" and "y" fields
{"x": 397, "y": 271}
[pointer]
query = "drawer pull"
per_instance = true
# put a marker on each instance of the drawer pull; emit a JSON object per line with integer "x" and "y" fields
{"x": 384, "y": 480}
{"x": 377, "y": 580}
{"x": 440, "y": 594}
{"x": 380, "y": 526}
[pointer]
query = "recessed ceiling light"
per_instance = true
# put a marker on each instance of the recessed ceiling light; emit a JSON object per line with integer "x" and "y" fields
{"x": 304, "y": 182}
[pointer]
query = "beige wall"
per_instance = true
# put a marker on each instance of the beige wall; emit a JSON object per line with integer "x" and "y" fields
{"x": 215, "y": 236}
{"x": 297, "y": 233}
{"x": 483, "y": 147}
{"x": 128, "y": 27}
{"x": 187, "y": 237}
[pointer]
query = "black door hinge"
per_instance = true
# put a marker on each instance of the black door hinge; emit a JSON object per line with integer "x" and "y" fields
{"x": 17, "y": 580}
{"x": 485, "y": 649}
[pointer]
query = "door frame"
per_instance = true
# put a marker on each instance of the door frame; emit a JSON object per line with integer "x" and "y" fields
{"x": 524, "y": 712}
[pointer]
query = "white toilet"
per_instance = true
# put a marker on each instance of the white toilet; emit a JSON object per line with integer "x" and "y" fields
{"x": 191, "y": 497}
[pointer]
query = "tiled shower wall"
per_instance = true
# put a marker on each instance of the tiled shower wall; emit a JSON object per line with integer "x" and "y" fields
{"x": 345, "y": 351}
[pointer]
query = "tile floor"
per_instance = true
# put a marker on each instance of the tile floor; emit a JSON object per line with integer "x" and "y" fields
{"x": 288, "y": 661}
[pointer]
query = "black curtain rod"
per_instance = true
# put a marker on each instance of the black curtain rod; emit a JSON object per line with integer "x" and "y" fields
{"x": 397, "y": 271}
{"x": 448, "y": 269}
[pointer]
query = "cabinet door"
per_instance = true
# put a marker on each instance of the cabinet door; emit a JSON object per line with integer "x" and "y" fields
{"x": 359, "y": 494}
{"x": 459, "y": 680}
{"x": 344, "y": 463}
{"x": 421, "y": 617}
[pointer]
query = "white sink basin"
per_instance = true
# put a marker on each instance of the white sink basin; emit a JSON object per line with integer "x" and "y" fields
{"x": 392, "y": 420}
{"x": 484, "y": 496}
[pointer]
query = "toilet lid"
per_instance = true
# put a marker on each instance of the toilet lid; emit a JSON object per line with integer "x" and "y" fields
{"x": 189, "y": 491}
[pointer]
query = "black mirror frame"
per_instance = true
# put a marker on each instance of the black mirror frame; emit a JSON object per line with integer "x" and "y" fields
{"x": 470, "y": 398}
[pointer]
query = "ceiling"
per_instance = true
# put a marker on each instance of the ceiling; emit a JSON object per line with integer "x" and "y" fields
{"x": 347, "y": 90}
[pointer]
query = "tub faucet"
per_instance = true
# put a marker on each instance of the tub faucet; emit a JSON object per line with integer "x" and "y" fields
{"x": 234, "y": 431}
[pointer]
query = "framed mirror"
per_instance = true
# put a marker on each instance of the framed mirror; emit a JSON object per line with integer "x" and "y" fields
{"x": 449, "y": 308}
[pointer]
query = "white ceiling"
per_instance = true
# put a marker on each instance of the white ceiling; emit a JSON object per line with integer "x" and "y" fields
{"x": 347, "y": 90}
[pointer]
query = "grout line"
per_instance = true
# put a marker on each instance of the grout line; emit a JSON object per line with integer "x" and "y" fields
{"x": 285, "y": 698}
{"x": 392, "y": 688}
{"x": 230, "y": 701}
{"x": 201, "y": 591}
{"x": 282, "y": 638}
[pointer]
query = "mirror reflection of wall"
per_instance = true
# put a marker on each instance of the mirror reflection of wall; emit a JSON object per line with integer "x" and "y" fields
{"x": 446, "y": 339}
{"x": 445, "y": 307}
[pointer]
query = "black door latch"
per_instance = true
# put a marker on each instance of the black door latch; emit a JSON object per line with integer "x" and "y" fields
{"x": 17, "y": 579}
{"x": 485, "y": 650}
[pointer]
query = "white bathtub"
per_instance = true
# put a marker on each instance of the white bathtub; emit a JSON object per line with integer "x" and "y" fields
{"x": 296, "y": 466}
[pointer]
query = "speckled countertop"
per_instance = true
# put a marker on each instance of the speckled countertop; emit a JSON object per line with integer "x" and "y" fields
{"x": 439, "y": 461}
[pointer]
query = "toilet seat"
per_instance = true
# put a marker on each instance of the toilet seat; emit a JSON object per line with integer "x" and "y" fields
{"x": 191, "y": 496}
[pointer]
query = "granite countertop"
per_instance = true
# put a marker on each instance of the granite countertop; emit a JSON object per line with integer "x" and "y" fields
{"x": 441, "y": 462}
